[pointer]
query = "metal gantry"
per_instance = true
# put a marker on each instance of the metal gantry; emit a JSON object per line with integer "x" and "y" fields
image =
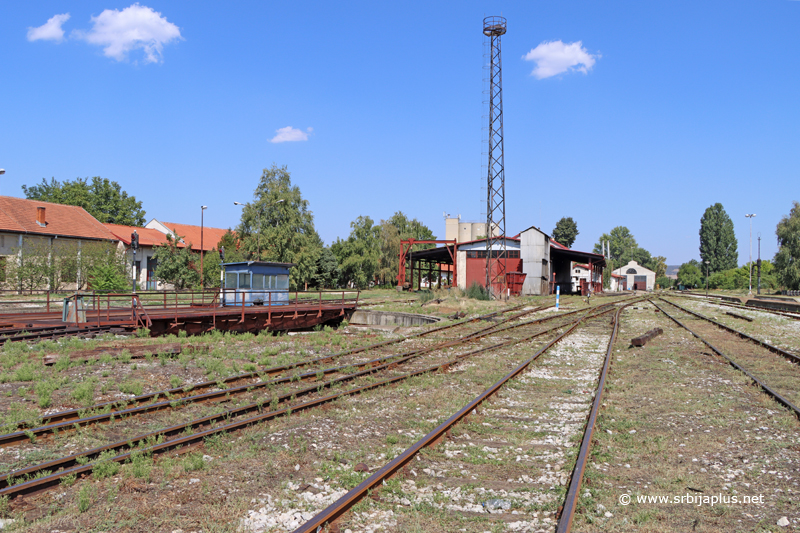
{"x": 494, "y": 28}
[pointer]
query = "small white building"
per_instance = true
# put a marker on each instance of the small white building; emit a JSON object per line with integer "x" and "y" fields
{"x": 638, "y": 278}
{"x": 579, "y": 272}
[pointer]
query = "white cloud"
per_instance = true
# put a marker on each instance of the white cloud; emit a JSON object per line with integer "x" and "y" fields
{"x": 135, "y": 27}
{"x": 554, "y": 57}
{"x": 289, "y": 134}
{"x": 50, "y": 30}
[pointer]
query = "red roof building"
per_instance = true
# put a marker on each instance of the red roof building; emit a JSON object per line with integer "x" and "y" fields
{"x": 22, "y": 216}
{"x": 147, "y": 236}
{"x": 190, "y": 234}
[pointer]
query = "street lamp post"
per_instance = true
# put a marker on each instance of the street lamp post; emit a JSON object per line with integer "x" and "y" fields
{"x": 750, "y": 263}
{"x": 202, "y": 211}
{"x": 707, "y": 262}
{"x": 258, "y": 235}
{"x": 758, "y": 263}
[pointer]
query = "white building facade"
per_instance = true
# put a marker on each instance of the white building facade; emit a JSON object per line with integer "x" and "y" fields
{"x": 638, "y": 277}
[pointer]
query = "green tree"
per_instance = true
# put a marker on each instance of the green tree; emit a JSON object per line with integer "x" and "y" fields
{"x": 328, "y": 271}
{"x": 787, "y": 260}
{"x": 664, "y": 282}
{"x": 177, "y": 265}
{"x": 411, "y": 229}
{"x": 659, "y": 266}
{"x": 392, "y": 231}
{"x": 103, "y": 199}
{"x": 278, "y": 226}
{"x": 45, "y": 263}
{"x": 359, "y": 255}
{"x": 566, "y": 231}
{"x": 718, "y": 243}
{"x": 108, "y": 278}
{"x": 212, "y": 265}
{"x": 689, "y": 275}
{"x": 622, "y": 245}
{"x": 93, "y": 254}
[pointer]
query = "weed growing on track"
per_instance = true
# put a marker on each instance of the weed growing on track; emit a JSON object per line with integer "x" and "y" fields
{"x": 104, "y": 466}
{"x": 193, "y": 461}
{"x": 85, "y": 497}
{"x": 84, "y": 392}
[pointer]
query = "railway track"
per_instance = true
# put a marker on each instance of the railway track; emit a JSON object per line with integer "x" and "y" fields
{"x": 40, "y": 333}
{"x": 188, "y": 394}
{"x": 524, "y": 404}
{"x": 41, "y": 476}
{"x": 777, "y": 377}
{"x": 180, "y": 398}
{"x": 775, "y": 349}
{"x": 372, "y": 367}
{"x": 717, "y": 301}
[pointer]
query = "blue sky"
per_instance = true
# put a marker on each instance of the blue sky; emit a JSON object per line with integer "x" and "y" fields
{"x": 685, "y": 104}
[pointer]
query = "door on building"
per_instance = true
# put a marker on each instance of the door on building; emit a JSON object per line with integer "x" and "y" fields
{"x": 152, "y": 263}
{"x": 640, "y": 283}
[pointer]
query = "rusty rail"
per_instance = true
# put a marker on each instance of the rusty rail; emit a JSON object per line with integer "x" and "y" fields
{"x": 178, "y": 392}
{"x": 700, "y": 297}
{"x": 780, "y": 351}
{"x": 67, "y": 420}
{"x": 71, "y": 465}
{"x": 777, "y": 396}
{"x": 330, "y": 514}
{"x": 571, "y": 501}
{"x": 740, "y": 317}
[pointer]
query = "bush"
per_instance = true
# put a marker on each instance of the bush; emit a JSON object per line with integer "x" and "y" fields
{"x": 664, "y": 282}
{"x": 108, "y": 278}
{"x": 478, "y": 292}
{"x": 105, "y": 466}
{"x": 425, "y": 297}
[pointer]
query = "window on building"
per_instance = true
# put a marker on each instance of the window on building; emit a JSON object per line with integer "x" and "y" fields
{"x": 258, "y": 281}
{"x": 631, "y": 271}
{"x": 244, "y": 280}
{"x": 231, "y": 280}
{"x": 283, "y": 281}
{"x": 481, "y": 254}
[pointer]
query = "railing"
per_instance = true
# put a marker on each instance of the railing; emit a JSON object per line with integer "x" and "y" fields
{"x": 142, "y": 319}
{"x": 138, "y": 309}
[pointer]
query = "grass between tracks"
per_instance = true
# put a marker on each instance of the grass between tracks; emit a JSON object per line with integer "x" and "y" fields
{"x": 678, "y": 423}
{"x": 150, "y": 494}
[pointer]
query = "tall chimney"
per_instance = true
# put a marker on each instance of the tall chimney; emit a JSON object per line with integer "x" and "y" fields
{"x": 40, "y": 216}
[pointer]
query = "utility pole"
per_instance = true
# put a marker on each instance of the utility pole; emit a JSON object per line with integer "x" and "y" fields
{"x": 222, "y": 272}
{"x": 750, "y": 263}
{"x": 134, "y": 247}
{"x": 202, "y": 210}
{"x": 758, "y": 263}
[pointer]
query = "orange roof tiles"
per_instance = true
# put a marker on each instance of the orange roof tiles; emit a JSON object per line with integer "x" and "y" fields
{"x": 147, "y": 236}
{"x": 191, "y": 234}
{"x": 19, "y": 215}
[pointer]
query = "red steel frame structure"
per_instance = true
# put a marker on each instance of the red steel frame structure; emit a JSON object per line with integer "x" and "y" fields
{"x": 405, "y": 252}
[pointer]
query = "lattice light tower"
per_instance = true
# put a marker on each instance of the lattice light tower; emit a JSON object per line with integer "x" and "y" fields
{"x": 494, "y": 28}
